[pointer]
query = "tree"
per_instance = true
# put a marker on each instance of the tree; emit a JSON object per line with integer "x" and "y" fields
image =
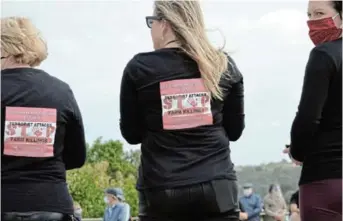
{"x": 87, "y": 185}
{"x": 112, "y": 152}
{"x": 107, "y": 166}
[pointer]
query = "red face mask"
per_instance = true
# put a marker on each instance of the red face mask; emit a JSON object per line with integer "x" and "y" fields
{"x": 323, "y": 30}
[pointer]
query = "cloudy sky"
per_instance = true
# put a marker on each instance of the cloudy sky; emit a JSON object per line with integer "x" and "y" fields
{"x": 90, "y": 43}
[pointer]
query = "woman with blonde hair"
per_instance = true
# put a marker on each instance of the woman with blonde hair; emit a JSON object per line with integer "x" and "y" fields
{"x": 183, "y": 102}
{"x": 42, "y": 130}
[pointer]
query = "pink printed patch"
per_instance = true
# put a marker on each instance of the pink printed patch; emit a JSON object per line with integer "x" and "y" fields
{"x": 185, "y": 104}
{"x": 30, "y": 132}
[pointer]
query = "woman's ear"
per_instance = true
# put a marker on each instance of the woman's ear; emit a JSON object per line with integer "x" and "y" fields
{"x": 164, "y": 27}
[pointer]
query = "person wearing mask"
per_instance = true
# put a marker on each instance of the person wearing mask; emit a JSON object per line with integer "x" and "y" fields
{"x": 275, "y": 205}
{"x": 294, "y": 207}
{"x": 121, "y": 198}
{"x": 184, "y": 103}
{"x": 316, "y": 134}
{"x": 251, "y": 203}
{"x": 42, "y": 133}
{"x": 115, "y": 211}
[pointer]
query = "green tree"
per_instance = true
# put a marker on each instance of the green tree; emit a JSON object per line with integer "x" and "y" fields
{"x": 87, "y": 185}
{"x": 107, "y": 166}
{"x": 112, "y": 152}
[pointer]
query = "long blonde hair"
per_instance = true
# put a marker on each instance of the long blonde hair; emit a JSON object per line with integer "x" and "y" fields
{"x": 186, "y": 20}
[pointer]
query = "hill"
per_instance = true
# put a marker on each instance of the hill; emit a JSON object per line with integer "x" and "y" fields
{"x": 261, "y": 176}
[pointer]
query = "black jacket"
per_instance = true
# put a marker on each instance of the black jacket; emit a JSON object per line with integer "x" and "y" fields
{"x": 42, "y": 137}
{"x": 184, "y": 134}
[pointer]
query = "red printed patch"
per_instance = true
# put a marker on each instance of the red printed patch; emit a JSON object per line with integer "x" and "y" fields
{"x": 30, "y": 132}
{"x": 185, "y": 104}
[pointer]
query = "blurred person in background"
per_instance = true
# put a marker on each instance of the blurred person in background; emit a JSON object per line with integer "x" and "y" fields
{"x": 316, "y": 134}
{"x": 77, "y": 211}
{"x": 42, "y": 133}
{"x": 294, "y": 211}
{"x": 115, "y": 210}
{"x": 275, "y": 205}
{"x": 184, "y": 102}
{"x": 251, "y": 202}
{"x": 121, "y": 198}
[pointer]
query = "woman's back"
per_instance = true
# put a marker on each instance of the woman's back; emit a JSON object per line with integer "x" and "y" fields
{"x": 183, "y": 103}
{"x": 185, "y": 137}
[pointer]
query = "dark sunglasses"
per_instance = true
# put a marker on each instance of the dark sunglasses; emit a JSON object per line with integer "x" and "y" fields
{"x": 150, "y": 19}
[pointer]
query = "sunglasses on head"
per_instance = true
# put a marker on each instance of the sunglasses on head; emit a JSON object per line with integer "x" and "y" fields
{"x": 150, "y": 19}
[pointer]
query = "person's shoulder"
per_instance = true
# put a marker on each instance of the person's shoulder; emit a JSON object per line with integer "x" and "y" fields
{"x": 121, "y": 205}
{"x": 56, "y": 81}
{"x": 330, "y": 48}
{"x": 141, "y": 61}
{"x": 266, "y": 197}
{"x": 329, "y": 44}
{"x": 256, "y": 195}
{"x": 235, "y": 74}
{"x": 146, "y": 58}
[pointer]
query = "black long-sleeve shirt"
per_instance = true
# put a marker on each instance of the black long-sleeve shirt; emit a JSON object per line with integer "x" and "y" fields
{"x": 42, "y": 137}
{"x": 316, "y": 134}
{"x": 184, "y": 135}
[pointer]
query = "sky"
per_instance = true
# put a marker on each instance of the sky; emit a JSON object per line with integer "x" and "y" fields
{"x": 90, "y": 43}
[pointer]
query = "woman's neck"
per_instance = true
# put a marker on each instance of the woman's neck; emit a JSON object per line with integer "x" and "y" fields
{"x": 12, "y": 66}
{"x": 173, "y": 43}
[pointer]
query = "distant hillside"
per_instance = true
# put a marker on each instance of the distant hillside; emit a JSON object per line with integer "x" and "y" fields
{"x": 283, "y": 173}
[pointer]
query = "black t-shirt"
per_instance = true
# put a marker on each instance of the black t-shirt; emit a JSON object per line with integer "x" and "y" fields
{"x": 184, "y": 135}
{"x": 42, "y": 136}
{"x": 316, "y": 135}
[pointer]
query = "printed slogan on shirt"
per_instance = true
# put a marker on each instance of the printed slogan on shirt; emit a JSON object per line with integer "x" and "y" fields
{"x": 185, "y": 104}
{"x": 29, "y": 132}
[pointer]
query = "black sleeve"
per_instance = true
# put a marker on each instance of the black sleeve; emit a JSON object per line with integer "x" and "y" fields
{"x": 241, "y": 207}
{"x": 130, "y": 126}
{"x": 314, "y": 93}
{"x": 295, "y": 198}
{"x": 74, "y": 153}
{"x": 233, "y": 111}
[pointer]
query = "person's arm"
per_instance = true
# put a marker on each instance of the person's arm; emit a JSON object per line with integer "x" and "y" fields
{"x": 126, "y": 212}
{"x": 294, "y": 204}
{"x": 233, "y": 110}
{"x": 241, "y": 207}
{"x": 313, "y": 97}
{"x": 74, "y": 152}
{"x": 122, "y": 215}
{"x": 130, "y": 126}
{"x": 257, "y": 208}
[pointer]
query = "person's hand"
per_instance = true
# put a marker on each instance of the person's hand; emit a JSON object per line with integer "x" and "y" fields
{"x": 286, "y": 151}
{"x": 278, "y": 218}
{"x": 243, "y": 216}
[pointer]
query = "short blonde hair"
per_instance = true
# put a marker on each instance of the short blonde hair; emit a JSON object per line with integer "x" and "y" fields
{"x": 22, "y": 40}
